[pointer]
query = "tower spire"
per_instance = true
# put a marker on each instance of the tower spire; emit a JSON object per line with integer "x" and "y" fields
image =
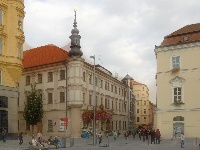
{"x": 75, "y": 40}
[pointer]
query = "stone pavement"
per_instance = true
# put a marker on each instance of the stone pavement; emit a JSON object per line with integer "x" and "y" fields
{"x": 119, "y": 144}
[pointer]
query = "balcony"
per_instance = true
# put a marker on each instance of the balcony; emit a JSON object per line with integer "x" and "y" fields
{"x": 175, "y": 70}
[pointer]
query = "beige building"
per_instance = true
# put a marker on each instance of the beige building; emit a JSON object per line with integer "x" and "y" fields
{"x": 141, "y": 106}
{"x": 178, "y": 72}
{"x": 65, "y": 82}
{"x": 11, "y": 54}
{"x": 141, "y": 93}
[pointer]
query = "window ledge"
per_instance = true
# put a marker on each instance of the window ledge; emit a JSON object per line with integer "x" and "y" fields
{"x": 178, "y": 103}
{"x": 175, "y": 70}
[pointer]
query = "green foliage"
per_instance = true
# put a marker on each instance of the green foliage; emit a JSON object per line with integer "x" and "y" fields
{"x": 33, "y": 110}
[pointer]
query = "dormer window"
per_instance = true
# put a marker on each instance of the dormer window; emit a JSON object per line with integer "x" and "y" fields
{"x": 185, "y": 38}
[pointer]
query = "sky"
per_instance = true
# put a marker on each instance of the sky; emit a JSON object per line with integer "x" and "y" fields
{"x": 122, "y": 34}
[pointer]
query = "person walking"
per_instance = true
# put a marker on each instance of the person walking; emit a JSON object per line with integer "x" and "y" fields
{"x": 174, "y": 133}
{"x": 143, "y": 134}
{"x": 152, "y": 133}
{"x": 182, "y": 140}
{"x": 139, "y": 133}
{"x": 126, "y": 135}
{"x": 3, "y": 135}
{"x": 158, "y": 136}
{"x": 115, "y": 135}
{"x": 100, "y": 138}
{"x": 20, "y": 138}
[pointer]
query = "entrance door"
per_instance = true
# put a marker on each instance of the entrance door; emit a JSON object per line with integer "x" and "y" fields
{"x": 179, "y": 126}
{"x": 4, "y": 120}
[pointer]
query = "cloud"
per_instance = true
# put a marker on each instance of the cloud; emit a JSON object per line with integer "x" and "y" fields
{"x": 123, "y": 34}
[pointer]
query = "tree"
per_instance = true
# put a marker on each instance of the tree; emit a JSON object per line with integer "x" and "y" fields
{"x": 33, "y": 110}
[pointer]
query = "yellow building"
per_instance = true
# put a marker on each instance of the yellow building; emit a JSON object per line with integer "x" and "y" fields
{"x": 11, "y": 49}
{"x": 141, "y": 93}
{"x": 178, "y": 72}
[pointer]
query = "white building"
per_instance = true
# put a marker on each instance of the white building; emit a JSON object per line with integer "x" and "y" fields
{"x": 178, "y": 82}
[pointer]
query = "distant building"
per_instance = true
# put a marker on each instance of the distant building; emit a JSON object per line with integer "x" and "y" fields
{"x": 141, "y": 92}
{"x": 152, "y": 108}
{"x": 178, "y": 84}
{"x": 11, "y": 54}
{"x": 142, "y": 107}
{"x": 65, "y": 82}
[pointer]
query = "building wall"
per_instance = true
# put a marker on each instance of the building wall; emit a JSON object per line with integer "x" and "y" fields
{"x": 116, "y": 102}
{"x": 188, "y": 79}
{"x": 141, "y": 93}
{"x": 11, "y": 34}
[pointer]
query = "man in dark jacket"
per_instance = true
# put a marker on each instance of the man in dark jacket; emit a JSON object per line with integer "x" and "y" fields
{"x": 152, "y": 133}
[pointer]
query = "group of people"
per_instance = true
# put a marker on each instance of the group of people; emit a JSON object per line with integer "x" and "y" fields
{"x": 154, "y": 134}
{"x": 40, "y": 141}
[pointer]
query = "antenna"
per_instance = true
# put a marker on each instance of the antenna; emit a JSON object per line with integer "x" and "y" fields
{"x": 100, "y": 59}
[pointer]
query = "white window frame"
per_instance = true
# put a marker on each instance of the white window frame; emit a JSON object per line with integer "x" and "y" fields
{"x": 182, "y": 93}
{"x": 171, "y": 61}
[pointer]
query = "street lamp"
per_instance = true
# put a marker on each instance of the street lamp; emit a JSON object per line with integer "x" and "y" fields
{"x": 95, "y": 104}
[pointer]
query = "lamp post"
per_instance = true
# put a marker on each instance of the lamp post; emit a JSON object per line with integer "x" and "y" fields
{"x": 95, "y": 104}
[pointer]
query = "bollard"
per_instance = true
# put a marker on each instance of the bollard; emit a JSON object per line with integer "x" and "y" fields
{"x": 148, "y": 141}
{"x": 71, "y": 142}
{"x": 196, "y": 140}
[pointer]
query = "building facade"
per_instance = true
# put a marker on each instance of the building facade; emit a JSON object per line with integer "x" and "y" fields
{"x": 11, "y": 54}
{"x": 141, "y": 92}
{"x": 66, "y": 83}
{"x": 178, "y": 71}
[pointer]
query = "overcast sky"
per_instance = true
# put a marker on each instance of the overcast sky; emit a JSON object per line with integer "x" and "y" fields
{"x": 121, "y": 33}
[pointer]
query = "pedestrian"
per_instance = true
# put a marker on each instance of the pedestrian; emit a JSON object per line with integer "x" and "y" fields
{"x": 182, "y": 140}
{"x": 20, "y": 138}
{"x": 126, "y": 135}
{"x": 147, "y": 134}
{"x": 118, "y": 133}
{"x": 174, "y": 133}
{"x": 152, "y": 133}
{"x": 107, "y": 133}
{"x": 139, "y": 133}
{"x": 158, "y": 136}
{"x": 100, "y": 138}
{"x": 143, "y": 134}
{"x": 38, "y": 135}
{"x": 115, "y": 135}
{"x": 3, "y": 135}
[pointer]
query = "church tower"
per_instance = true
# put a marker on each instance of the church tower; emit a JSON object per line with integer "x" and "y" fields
{"x": 11, "y": 50}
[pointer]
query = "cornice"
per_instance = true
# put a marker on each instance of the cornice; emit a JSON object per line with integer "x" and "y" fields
{"x": 181, "y": 71}
{"x": 186, "y": 46}
{"x": 176, "y": 110}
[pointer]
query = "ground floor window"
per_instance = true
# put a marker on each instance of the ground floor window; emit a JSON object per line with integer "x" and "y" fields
{"x": 50, "y": 125}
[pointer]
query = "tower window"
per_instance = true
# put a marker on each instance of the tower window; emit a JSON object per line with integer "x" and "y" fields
{"x": 1, "y": 17}
{"x": 0, "y": 46}
{"x": 19, "y": 50}
{"x": 20, "y": 22}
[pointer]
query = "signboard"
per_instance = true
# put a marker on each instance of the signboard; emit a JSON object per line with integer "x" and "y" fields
{"x": 65, "y": 121}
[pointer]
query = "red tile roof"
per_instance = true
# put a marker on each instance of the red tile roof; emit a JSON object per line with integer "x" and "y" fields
{"x": 136, "y": 83}
{"x": 47, "y": 54}
{"x": 191, "y": 31}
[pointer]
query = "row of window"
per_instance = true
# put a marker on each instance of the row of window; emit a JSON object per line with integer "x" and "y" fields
{"x": 143, "y": 103}
{"x": 50, "y": 77}
{"x": 20, "y": 20}
{"x": 19, "y": 49}
{"x": 138, "y": 119}
{"x": 122, "y": 106}
{"x": 108, "y": 86}
{"x": 138, "y": 111}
